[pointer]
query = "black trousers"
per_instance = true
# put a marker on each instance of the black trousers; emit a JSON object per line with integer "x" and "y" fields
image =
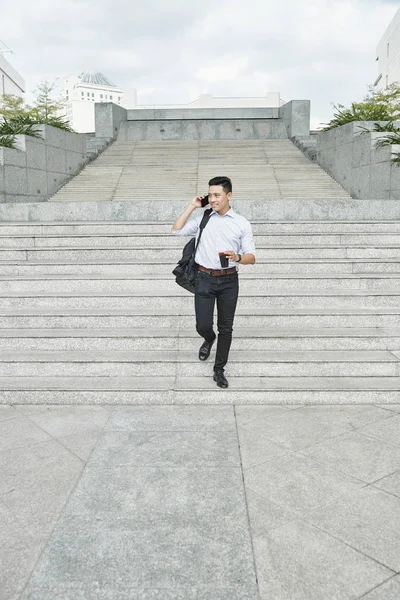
{"x": 224, "y": 289}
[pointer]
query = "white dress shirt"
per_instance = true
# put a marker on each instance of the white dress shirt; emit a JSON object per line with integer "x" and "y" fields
{"x": 227, "y": 232}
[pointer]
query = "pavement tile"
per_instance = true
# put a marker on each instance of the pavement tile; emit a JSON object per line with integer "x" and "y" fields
{"x": 390, "y": 590}
{"x": 298, "y": 483}
{"x": 387, "y": 430}
{"x": 81, "y": 444}
{"x": 247, "y": 414}
{"x": 390, "y": 484}
{"x": 163, "y": 491}
{"x": 392, "y": 407}
{"x": 299, "y": 562}
{"x": 111, "y": 591}
{"x": 7, "y": 412}
{"x": 161, "y": 528}
{"x": 358, "y": 455}
{"x": 368, "y": 520}
{"x": 255, "y": 448}
{"x": 61, "y": 421}
{"x": 37, "y": 483}
{"x": 265, "y": 515}
{"x": 172, "y": 418}
{"x": 166, "y": 448}
{"x": 19, "y": 552}
{"x": 20, "y": 432}
{"x": 307, "y": 425}
{"x": 351, "y": 416}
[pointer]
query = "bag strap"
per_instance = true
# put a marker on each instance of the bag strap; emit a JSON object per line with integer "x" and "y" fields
{"x": 203, "y": 223}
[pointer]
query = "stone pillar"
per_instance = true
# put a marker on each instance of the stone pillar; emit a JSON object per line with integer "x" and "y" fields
{"x": 296, "y": 117}
{"x": 108, "y": 118}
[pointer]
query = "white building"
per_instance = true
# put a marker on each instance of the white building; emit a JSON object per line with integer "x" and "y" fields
{"x": 11, "y": 82}
{"x": 388, "y": 54}
{"x": 80, "y": 92}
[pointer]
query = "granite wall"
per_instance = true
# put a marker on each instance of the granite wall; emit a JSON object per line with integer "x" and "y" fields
{"x": 289, "y": 120}
{"x": 350, "y": 156}
{"x": 202, "y": 129}
{"x": 39, "y": 167}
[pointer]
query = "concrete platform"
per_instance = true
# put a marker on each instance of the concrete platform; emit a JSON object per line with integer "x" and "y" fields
{"x": 277, "y": 502}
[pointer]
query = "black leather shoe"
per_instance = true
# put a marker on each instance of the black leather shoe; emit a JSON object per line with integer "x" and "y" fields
{"x": 220, "y": 378}
{"x": 205, "y": 350}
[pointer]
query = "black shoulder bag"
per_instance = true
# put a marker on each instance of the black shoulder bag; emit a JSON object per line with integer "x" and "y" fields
{"x": 186, "y": 270}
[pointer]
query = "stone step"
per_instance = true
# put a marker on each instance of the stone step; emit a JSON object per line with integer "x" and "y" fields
{"x": 167, "y": 209}
{"x": 136, "y": 240}
{"x": 199, "y": 390}
{"x": 249, "y": 172}
{"x": 177, "y": 299}
{"x": 157, "y": 253}
{"x": 248, "y": 176}
{"x": 186, "y": 364}
{"x": 262, "y": 268}
{"x": 163, "y": 228}
{"x": 164, "y": 274}
{"x": 250, "y": 283}
{"x": 153, "y": 171}
{"x": 165, "y": 317}
{"x": 139, "y": 339}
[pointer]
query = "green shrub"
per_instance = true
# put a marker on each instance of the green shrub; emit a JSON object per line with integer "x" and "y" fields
{"x": 22, "y": 118}
{"x": 388, "y": 140}
{"x": 389, "y": 127}
{"x": 19, "y": 125}
{"x": 378, "y": 105}
{"x": 7, "y": 141}
{"x": 357, "y": 112}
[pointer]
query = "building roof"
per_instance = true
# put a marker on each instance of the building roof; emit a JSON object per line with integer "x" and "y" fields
{"x": 96, "y": 79}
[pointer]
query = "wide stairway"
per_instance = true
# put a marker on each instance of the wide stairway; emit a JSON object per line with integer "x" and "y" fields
{"x": 90, "y": 313}
{"x": 263, "y": 169}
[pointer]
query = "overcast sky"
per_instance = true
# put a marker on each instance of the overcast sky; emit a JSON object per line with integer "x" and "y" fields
{"x": 173, "y": 50}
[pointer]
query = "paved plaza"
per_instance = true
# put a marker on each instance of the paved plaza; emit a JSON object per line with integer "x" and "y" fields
{"x": 276, "y": 502}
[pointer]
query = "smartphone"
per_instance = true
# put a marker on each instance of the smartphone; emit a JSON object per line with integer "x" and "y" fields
{"x": 205, "y": 201}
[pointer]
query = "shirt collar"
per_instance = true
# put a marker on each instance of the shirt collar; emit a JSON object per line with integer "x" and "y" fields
{"x": 230, "y": 213}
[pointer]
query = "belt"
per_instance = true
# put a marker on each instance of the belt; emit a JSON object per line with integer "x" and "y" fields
{"x": 217, "y": 272}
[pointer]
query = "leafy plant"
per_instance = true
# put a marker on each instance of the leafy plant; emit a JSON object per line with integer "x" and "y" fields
{"x": 377, "y": 105}
{"x": 396, "y": 159}
{"x": 388, "y": 96}
{"x": 357, "y": 112}
{"x": 54, "y": 121}
{"x": 44, "y": 111}
{"x": 19, "y": 125}
{"x": 389, "y": 140}
{"x": 7, "y": 141}
{"x": 389, "y": 127}
{"x": 11, "y": 106}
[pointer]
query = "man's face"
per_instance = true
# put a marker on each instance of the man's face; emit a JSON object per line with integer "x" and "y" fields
{"x": 218, "y": 199}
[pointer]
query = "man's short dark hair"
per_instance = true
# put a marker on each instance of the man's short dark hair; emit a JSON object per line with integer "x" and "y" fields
{"x": 224, "y": 181}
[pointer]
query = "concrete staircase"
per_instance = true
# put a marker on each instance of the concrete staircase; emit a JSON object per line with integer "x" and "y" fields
{"x": 90, "y": 313}
{"x": 262, "y": 169}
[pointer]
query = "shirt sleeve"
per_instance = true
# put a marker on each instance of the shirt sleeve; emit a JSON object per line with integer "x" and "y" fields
{"x": 247, "y": 241}
{"x": 191, "y": 226}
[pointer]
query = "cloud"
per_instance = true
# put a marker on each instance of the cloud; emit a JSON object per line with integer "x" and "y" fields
{"x": 225, "y": 70}
{"x": 322, "y": 50}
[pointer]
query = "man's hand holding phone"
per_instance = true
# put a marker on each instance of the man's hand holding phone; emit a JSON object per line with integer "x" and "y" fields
{"x": 200, "y": 201}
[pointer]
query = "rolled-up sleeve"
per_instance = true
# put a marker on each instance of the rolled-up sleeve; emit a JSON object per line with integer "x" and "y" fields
{"x": 190, "y": 227}
{"x": 247, "y": 241}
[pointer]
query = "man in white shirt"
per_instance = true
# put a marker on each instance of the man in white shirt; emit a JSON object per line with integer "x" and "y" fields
{"x": 228, "y": 233}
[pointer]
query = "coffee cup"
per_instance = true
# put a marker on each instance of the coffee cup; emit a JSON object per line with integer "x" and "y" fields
{"x": 223, "y": 260}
